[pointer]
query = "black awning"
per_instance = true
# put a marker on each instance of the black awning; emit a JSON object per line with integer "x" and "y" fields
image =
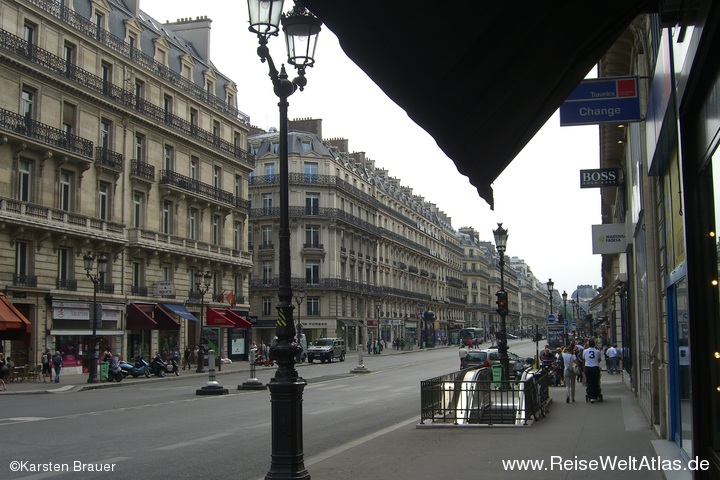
{"x": 480, "y": 77}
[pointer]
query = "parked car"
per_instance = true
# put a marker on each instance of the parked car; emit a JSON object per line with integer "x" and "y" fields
{"x": 326, "y": 349}
{"x": 489, "y": 357}
{"x": 511, "y": 336}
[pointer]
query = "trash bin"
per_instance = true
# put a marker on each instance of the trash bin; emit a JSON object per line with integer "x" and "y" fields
{"x": 497, "y": 373}
{"x": 104, "y": 368}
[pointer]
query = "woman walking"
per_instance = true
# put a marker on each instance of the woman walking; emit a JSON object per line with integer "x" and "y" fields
{"x": 3, "y": 371}
{"x": 569, "y": 373}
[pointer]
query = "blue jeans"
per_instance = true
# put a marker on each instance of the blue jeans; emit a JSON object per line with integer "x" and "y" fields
{"x": 57, "y": 374}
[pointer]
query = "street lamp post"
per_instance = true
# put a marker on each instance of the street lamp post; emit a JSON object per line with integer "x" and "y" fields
{"x": 550, "y": 287}
{"x": 301, "y": 29}
{"x": 501, "y": 236}
{"x": 202, "y": 285}
{"x": 299, "y": 297}
{"x": 377, "y": 319}
{"x": 97, "y": 279}
{"x": 565, "y": 327}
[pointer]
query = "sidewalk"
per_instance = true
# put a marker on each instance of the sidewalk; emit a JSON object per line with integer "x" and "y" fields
{"x": 566, "y": 440}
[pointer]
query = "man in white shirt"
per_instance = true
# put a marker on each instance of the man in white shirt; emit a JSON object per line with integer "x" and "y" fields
{"x": 591, "y": 355}
{"x": 612, "y": 356}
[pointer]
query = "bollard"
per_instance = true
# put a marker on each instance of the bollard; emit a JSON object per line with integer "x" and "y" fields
{"x": 252, "y": 383}
{"x": 212, "y": 387}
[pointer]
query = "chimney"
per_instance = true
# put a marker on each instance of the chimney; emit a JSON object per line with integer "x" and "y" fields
{"x": 196, "y": 32}
{"x": 133, "y": 6}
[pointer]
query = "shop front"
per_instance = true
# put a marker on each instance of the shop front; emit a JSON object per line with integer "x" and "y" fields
{"x": 155, "y": 328}
{"x": 351, "y": 332}
{"x": 314, "y": 329}
{"x": 15, "y": 332}
{"x": 227, "y": 328}
{"x": 72, "y": 331}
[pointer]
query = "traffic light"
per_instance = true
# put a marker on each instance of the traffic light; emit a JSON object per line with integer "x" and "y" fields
{"x": 502, "y": 303}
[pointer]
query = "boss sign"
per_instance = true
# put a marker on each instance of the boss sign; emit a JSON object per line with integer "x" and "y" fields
{"x": 601, "y": 177}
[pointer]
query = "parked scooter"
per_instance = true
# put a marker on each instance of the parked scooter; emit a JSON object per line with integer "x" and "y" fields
{"x": 160, "y": 368}
{"x": 140, "y": 367}
{"x": 114, "y": 370}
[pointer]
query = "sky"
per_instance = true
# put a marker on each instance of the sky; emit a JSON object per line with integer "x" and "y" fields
{"x": 537, "y": 198}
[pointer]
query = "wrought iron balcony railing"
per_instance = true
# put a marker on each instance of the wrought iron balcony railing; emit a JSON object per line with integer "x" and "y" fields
{"x": 66, "y": 284}
{"x": 91, "y": 29}
{"x": 168, "y": 177}
{"x": 142, "y": 170}
{"x": 24, "y": 280}
{"x": 45, "y": 133}
{"x": 108, "y": 158}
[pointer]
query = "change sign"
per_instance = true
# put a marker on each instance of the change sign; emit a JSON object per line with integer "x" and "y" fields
{"x": 602, "y": 100}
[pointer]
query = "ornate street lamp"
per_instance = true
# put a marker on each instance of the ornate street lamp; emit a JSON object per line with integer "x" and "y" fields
{"x": 551, "y": 287}
{"x": 202, "y": 285}
{"x": 97, "y": 279}
{"x": 501, "y": 236}
{"x": 299, "y": 298}
{"x": 301, "y": 30}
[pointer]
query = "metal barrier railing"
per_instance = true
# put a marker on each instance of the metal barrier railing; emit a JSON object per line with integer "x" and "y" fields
{"x": 472, "y": 396}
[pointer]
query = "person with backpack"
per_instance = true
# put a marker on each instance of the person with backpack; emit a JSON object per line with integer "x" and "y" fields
{"x": 57, "y": 363}
{"x": 46, "y": 370}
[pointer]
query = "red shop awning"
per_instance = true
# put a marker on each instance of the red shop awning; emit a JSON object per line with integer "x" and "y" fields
{"x": 138, "y": 316}
{"x": 11, "y": 318}
{"x": 239, "y": 320}
{"x": 216, "y": 318}
{"x": 165, "y": 320}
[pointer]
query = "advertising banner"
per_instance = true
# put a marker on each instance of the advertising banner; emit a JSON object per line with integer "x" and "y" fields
{"x": 609, "y": 238}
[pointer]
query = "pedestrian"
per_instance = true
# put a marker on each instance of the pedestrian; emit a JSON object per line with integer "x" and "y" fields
{"x": 57, "y": 363}
{"x": 369, "y": 347}
{"x": 592, "y": 355}
{"x": 463, "y": 353}
{"x": 3, "y": 371}
{"x": 186, "y": 358}
{"x": 570, "y": 372}
{"x": 107, "y": 354}
{"x": 611, "y": 357}
{"x": 46, "y": 369}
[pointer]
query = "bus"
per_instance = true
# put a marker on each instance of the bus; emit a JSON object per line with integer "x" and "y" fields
{"x": 476, "y": 334}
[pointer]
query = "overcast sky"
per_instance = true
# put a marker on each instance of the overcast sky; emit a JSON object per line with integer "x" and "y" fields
{"x": 537, "y": 198}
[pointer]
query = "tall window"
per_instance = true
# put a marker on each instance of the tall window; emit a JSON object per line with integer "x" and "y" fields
{"x": 139, "y": 147}
{"x": 27, "y": 104}
{"x": 313, "y": 306}
{"x": 138, "y": 209}
{"x": 24, "y": 180}
{"x": 105, "y": 132}
{"x": 63, "y": 260}
{"x": 312, "y": 235}
{"x": 312, "y": 273}
{"x": 312, "y": 203}
{"x": 106, "y": 75}
{"x": 266, "y": 236}
{"x": 22, "y": 258}
{"x": 168, "y": 106}
{"x": 194, "y": 161}
{"x": 29, "y": 32}
{"x": 138, "y": 277}
{"x": 310, "y": 171}
{"x": 238, "y": 186}
{"x": 267, "y": 306}
{"x": 237, "y": 235}
{"x": 267, "y": 203}
{"x": 139, "y": 94}
{"x": 193, "y": 121}
{"x": 65, "y": 198}
{"x": 168, "y": 158}
{"x": 69, "y": 57}
{"x": 68, "y": 121}
{"x": 192, "y": 224}
{"x": 216, "y": 131}
{"x": 104, "y": 201}
{"x": 217, "y": 177}
{"x": 270, "y": 169}
{"x": 216, "y": 228}
{"x": 167, "y": 273}
{"x": 267, "y": 272}
{"x": 167, "y": 210}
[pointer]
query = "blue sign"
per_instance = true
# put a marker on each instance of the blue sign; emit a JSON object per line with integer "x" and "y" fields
{"x": 566, "y": 322}
{"x": 602, "y": 100}
{"x": 551, "y": 318}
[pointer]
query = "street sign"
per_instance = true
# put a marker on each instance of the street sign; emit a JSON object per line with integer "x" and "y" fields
{"x": 602, "y": 100}
{"x": 551, "y": 318}
{"x": 566, "y": 322}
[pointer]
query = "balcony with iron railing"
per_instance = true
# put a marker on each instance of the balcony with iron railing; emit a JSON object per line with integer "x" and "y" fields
{"x": 24, "y": 280}
{"x": 108, "y": 158}
{"x": 92, "y": 30}
{"x": 58, "y": 66}
{"x": 139, "y": 291}
{"x": 200, "y": 189}
{"x": 142, "y": 170}
{"x": 66, "y": 284}
{"x": 45, "y": 134}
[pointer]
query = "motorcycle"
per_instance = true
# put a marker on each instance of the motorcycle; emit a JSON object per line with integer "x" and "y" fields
{"x": 114, "y": 370}
{"x": 160, "y": 368}
{"x": 140, "y": 367}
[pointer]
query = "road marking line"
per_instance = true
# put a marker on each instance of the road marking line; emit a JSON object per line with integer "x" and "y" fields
{"x": 195, "y": 441}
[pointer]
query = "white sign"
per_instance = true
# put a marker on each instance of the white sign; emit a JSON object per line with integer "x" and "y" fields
{"x": 609, "y": 238}
{"x": 164, "y": 289}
